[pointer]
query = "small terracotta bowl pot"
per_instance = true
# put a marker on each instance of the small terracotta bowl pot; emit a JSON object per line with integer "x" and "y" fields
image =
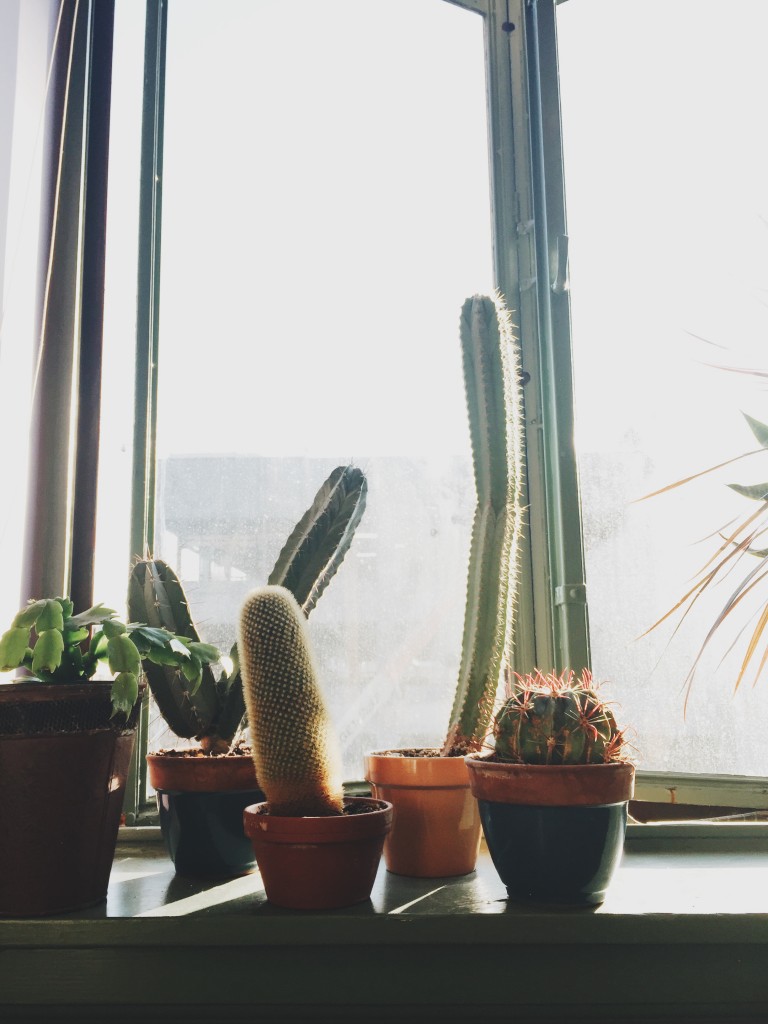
{"x": 436, "y": 829}
{"x": 319, "y": 863}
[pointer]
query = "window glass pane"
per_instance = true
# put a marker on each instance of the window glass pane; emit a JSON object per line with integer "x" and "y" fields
{"x": 326, "y": 212}
{"x": 666, "y": 170}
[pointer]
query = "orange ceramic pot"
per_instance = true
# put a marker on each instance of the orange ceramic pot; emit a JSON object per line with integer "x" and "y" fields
{"x": 436, "y": 829}
{"x": 319, "y": 863}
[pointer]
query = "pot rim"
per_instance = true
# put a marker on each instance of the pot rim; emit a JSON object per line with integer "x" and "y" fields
{"x": 334, "y": 828}
{"x": 554, "y": 785}
{"x": 391, "y": 769}
{"x": 173, "y": 774}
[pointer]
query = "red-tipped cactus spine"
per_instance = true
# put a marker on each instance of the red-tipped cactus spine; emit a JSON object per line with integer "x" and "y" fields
{"x": 556, "y": 719}
{"x": 294, "y": 749}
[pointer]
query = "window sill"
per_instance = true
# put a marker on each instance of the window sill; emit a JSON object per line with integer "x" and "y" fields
{"x": 682, "y": 934}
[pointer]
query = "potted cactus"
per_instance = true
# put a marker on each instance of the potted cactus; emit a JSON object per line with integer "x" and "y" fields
{"x": 315, "y": 849}
{"x": 202, "y": 790}
{"x": 65, "y": 746}
{"x": 437, "y": 827}
{"x": 553, "y": 796}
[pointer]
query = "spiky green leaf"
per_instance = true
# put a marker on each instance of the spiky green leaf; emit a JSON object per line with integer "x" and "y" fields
{"x": 27, "y": 617}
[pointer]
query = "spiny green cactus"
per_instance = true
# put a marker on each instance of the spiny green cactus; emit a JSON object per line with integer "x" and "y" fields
{"x": 556, "y": 719}
{"x": 494, "y": 403}
{"x": 295, "y": 753}
{"x": 212, "y": 710}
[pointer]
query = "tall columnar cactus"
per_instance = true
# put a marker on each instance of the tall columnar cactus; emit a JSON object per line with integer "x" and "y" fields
{"x": 294, "y": 750}
{"x": 494, "y": 403}
{"x": 212, "y": 710}
{"x": 556, "y": 719}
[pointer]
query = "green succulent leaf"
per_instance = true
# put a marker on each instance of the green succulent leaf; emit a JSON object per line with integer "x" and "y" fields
{"x": 46, "y": 656}
{"x": 50, "y": 617}
{"x": 162, "y": 656}
{"x": 192, "y": 669}
{"x": 13, "y": 647}
{"x": 94, "y": 616}
{"x": 123, "y": 655}
{"x": 74, "y": 636}
{"x": 66, "y": 606}
{"x": 760, "y": 430}
{"x": 205, "y": 652}
{"x": 125, "y": 692}
{"x": 27, "y": 617}
{"x": 111, "y": 627}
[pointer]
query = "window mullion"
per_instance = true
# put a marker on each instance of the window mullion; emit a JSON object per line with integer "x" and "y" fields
{"x": 531, "y": 254}
{"x": 147, "y": 327}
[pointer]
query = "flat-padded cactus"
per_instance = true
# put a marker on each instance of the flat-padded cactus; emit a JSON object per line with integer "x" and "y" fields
{"x": 294, "y": 750}
{"x": 494, "y": 404}
{"x": 212, "y": 710}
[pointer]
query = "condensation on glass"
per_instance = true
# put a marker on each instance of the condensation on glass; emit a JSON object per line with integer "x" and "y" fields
{"x": 666, "y": 169}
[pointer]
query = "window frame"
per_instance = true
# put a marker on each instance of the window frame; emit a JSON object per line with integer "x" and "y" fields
{"x": 530, "y": 257}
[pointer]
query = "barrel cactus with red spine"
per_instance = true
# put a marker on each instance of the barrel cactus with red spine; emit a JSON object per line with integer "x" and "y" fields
{"x": 556, "y": 719}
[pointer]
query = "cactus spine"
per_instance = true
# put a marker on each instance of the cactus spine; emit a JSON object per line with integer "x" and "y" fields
{"x": 494, "y": 404}
{"x": 294, "y": 751}
{"x": 551, "y": 719}
{"x": 212, "y": 710}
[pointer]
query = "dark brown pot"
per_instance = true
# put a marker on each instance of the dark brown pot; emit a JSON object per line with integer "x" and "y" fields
{"x": 319, "y": 863}
{"x": 63, "y": 769}
{"x": 436, "y": 827}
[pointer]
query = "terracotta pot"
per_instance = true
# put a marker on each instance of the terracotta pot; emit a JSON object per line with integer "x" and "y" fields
{"x": 319, "y": 863}
{"x": 555, "y": 832}
{"x": 63, "y": 769}
{"x": 201, "y": 801}
{"x": 436, "y": 828}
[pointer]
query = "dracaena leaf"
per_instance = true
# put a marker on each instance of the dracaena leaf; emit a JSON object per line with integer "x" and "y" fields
{"x": 757, "y": 492}
{"x": 760, "y": 430}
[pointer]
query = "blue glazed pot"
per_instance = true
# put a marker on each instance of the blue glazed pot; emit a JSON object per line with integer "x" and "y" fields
{"x": 555, "y": 832}
{"x": 564, "y": 855}
{"x": 204, "y": 834}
